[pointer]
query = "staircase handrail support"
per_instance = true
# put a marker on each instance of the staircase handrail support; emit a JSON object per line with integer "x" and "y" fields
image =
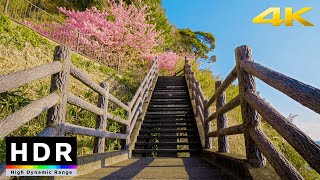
{"x": 251, "y": 104}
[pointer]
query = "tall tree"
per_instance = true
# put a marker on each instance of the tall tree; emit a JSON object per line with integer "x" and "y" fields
{"x": 201, "y": 43}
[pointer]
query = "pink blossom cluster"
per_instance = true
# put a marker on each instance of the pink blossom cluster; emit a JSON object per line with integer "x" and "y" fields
{"x": 166, "y": 60}
{"x": 121, "y": 29}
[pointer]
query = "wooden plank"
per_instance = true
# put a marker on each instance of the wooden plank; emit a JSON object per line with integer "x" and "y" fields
{"x": 48, "y": 132}
{"x": 118, "y": 119}
{"x": 225, "y": 84}
{"x": 238, "y": 129}
{"x": 230, "y": 105}
{"x": 101, "y": 120}
{"x": 201, "y": 114}
{"x": 24, "y": 115}
{"x": 118, "y": 102}
{"x": 59, "y": 83}
{"x": 134, "y": 109}
{"x": 74, "y": 100}
{"x": 278, "y": 161}
{"x": 303, "y": 93}
{"x": 250, "y": 116}
{"x": 80, "y": 130}
{"x": 301, "y": 142}
{"x": 222, "y": 120}
{"x": 134, "y": 121}
{"x": 226, "y": 108}
{"x": 141, "y": 94}
{"x": 85, "y": 79}
{"x": 19, "y": 78}
{"x": 134, "y": 98}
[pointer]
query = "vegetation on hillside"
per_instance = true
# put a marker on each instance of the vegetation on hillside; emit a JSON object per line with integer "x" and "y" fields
{"x": 22, "y": 48}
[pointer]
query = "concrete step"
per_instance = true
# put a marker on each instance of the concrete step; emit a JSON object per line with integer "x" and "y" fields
{"x": 166, "y": 143}
{"x": 169, "y": 106}
{"x": 160, "y": 93}
{"x": 164, "y": 150}
{"x": 170, "y": 103}
{"x": 162, "y": 137}
{"x": 166, "y": 125}
{"x": 167, "y": 131}
{"x": 167, "y": 96}
{"x": 180, "y": 117}
{"x": 168, "y": 121}
{"x": 185, "y": 100}
{"x": 152, "y": 109}
{"x": 174, "y": 113}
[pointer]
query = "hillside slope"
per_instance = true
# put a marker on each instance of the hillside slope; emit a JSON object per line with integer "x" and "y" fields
{"x": 22, "y": 48}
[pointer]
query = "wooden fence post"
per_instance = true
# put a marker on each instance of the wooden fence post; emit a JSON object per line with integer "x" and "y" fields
{"x": 222, "y": 120}
{"x": 101, "y": 121}
{"x": 207, "y": 128}
{"x": 59, "y": 83}
{"x": 6, "y": 7}
{"x": 78, "y": 42}
{"x": 250, "y": 116}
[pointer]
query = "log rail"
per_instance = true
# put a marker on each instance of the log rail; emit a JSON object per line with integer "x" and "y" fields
{"x": 258, "y": 145}
{"x": 60, "y": 70}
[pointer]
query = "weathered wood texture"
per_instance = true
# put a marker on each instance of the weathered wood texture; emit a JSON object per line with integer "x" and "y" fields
{"x": 134, "y": 99}
{"x": 59, "y": 83}
{"x": 80, "y": 130}
{"x": 250, "y": 116}
{"x": 24, "y": 115}
{"x": 226, "y": 108}
{"x": 85, "y": 79}
{"x": 304, "y": 94}
{"x": 238, "y": 129}
{"x": 278, "y": 161}
{"x": 48, "y": 132}
{"x": 301, "y": 142}
{"x": 226, "y": 83}
{"x": 118, "y": 119}
{"x": 74, "y": 100}
{"x": 101, "y": 120}
{"x": 19, "y": 78}
{"x": 222, "y": 120}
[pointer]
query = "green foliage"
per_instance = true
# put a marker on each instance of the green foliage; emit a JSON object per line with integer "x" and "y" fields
{"x": 18, "y": 36}
{"x": 201, "y": 43}
{"x": 80, "y": 5}
{"x": 121, "y": 86}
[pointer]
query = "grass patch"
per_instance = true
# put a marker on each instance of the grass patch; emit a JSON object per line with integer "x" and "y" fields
{"x": 22, "y": 48}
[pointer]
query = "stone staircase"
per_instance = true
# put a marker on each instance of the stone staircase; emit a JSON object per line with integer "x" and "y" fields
{"x": 169, "y": 128}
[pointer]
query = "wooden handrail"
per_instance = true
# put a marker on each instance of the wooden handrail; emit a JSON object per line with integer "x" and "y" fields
{"x": 85, "y": 79}
{"x": 238, "y": 129}
{"x": 251, "y": 104}
{"x": 305, "y": 94}
{"x": 80, "y": 130}
{"x": 226, "y": 83}
{"x": 302, "y": 143}
{"x": 24, "y": 115}
{"x": 56, "y": 102}
{"x": 134, "y": 99}
{"x": 278, "y": 161}
{"x": 19, "y": 78}
{"x": 74, "y": 100}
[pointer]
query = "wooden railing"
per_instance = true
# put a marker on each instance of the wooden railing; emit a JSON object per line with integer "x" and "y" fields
{"x": 253, "y": 106}
{"x": 60, "y": 69}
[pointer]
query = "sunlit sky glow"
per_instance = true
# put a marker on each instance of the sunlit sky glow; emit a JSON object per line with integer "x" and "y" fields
{"x": 293, "y": 51}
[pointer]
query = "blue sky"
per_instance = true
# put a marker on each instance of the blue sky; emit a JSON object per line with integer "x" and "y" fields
{"x": 293, "y": 51}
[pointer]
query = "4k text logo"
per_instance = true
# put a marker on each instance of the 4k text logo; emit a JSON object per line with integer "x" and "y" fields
{"x": 290, "y": 16}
